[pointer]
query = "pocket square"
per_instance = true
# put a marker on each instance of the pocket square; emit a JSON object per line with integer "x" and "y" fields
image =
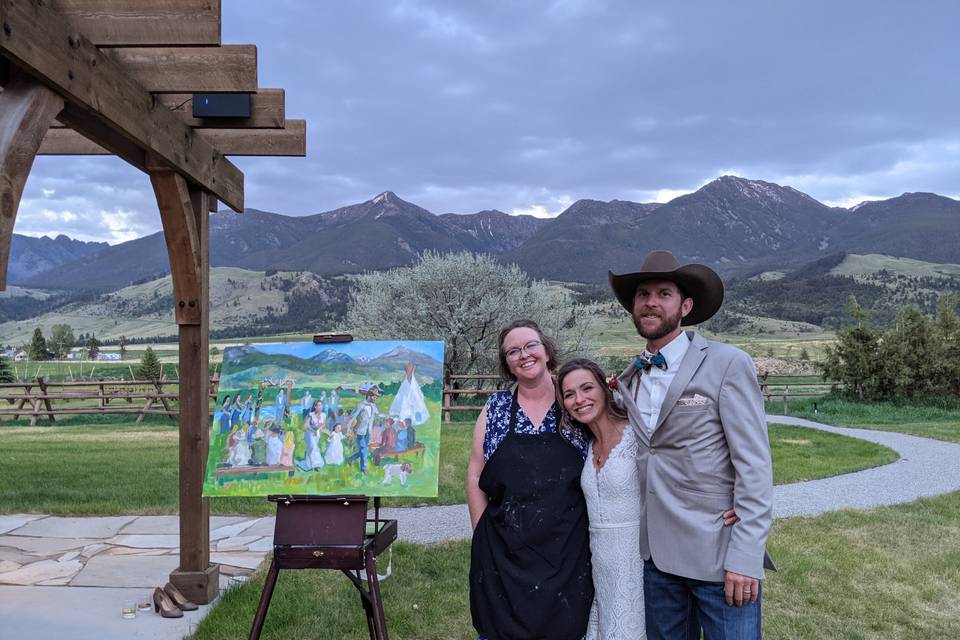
{"x": 696, "y": 400}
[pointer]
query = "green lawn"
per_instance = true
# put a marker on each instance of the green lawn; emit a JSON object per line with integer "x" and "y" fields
{"x": 86, "y": 468}
{"x": 940, "y": 422}
{"x": 121, "y": 467}
{"x": 892, "y": 572}
{"x": 805, "y": 454}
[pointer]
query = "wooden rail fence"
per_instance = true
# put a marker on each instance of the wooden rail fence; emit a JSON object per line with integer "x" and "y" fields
{"x": 36, "y": 398}
{"x": 475, "y": 386}
{"x": 42, "y": 398}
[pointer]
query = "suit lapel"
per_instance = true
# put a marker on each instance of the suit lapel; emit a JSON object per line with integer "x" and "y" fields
{"x": 625, "y": 382}
{"x": 696, "y": 352}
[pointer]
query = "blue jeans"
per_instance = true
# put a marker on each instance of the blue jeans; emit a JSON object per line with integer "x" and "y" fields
{"x": 363, "y": 443}
{"x": 677, "y": 606}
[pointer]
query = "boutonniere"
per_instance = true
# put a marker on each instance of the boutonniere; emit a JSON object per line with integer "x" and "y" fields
{"x": 613, "y": 382}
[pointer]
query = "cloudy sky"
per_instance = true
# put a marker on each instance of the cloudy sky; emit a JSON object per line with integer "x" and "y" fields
{"x": 528, "y": 106}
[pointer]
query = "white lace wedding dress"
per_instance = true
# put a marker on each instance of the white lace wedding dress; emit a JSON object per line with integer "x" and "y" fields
{"x": 613, "y": 505}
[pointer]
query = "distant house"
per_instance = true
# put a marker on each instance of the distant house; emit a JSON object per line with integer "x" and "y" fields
{"x": 21, "y": 356}
{"x": 109, "y": 357}
{"x": 75, "y": 355}
{"x": 10, "y": 353}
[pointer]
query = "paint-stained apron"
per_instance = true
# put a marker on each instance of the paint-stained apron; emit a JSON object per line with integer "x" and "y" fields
{"x": 530, "y": 573}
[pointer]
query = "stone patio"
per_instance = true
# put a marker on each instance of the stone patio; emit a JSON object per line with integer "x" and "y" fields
{"x": 63, "y": 577}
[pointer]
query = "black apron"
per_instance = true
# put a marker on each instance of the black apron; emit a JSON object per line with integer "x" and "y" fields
{"x": 530, "y": 573}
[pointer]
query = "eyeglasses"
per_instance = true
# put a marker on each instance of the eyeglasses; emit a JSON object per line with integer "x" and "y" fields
{"x": 516, "y": 352}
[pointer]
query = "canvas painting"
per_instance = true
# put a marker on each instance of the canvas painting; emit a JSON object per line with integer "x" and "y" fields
{"x": 327, "y": 419}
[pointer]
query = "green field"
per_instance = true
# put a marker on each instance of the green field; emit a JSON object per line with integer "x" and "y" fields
{"x": 937, "y": 421}
{"x": 86, "y": 468}
{"x": 616, "y": 336}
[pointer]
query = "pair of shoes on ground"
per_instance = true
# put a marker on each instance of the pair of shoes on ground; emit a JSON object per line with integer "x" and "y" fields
{"x": 170, "y": 603}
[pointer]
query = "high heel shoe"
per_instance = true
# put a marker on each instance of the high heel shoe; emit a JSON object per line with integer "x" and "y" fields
{"x": 178, "y": 598}
{"x": 163, "y": 605}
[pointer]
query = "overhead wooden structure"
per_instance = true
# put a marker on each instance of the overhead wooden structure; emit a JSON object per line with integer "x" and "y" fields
{"x": 117, "y": 77}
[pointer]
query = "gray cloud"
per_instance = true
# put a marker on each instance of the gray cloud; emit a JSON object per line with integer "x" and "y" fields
{"x": 469, "y": 106}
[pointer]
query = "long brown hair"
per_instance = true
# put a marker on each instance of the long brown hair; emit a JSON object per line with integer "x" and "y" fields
{"x": 549, "y": 347}
{"x": 613, "y": 409}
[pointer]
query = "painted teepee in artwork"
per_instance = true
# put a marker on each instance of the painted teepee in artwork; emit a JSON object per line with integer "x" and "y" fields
{"x": 409, "y": 402}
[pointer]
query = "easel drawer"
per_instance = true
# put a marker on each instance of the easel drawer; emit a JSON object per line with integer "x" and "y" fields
{"x": 319, "y": 557}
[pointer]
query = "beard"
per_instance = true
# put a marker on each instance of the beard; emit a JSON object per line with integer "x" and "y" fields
{"x": 667, "y": 324}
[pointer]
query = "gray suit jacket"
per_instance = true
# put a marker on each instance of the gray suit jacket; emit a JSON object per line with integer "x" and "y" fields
{"x": 709, "y": 452}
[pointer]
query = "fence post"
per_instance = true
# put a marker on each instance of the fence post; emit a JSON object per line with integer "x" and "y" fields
{"x": 446, "y": 398}
{"x": 786, "y": 408}
{"x": 46, "y": 401}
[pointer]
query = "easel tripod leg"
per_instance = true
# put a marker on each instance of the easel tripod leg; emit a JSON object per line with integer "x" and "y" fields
{"x": 261, "y": 615}
{"x": 376, "y": 601}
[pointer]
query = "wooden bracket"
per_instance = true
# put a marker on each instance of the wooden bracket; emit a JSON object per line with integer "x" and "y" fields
{"x": 180, "y": 230}
{"x": 27, "y": 108}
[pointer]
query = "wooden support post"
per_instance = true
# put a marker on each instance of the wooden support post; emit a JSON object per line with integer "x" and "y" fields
{"x": 786, "y": 406}
{"x": 185, "y": 214}
{"x": 27, "y": 109}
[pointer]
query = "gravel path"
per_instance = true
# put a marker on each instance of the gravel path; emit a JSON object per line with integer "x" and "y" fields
{"x": 926, "y": 468}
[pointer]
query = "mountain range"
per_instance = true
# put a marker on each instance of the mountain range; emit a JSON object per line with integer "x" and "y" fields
{"x": 736, "y": 225}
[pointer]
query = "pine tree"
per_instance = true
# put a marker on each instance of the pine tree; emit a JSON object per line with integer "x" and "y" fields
{"x": 123, "y": 347}
{"x": 149, "y": 368}
{"x": 6, "y": 375}
{"x": 38, "y": 346}
{"x": 93, "y": 347}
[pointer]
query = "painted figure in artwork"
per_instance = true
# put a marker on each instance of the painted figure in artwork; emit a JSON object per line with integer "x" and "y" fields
{"x": 258, "y": 450}
{"x": 239, "y": 451}
{"x": 274, "y": 446}
{"x": 312, "y": 458}
{"x": 247, "y": 414}
{"x": 225, "y": 415}
{"x": 362, "y": 422}
{"x": 286, "y": 456}
{"x": 334, "y": 454}
{"x": 280, "y": 405}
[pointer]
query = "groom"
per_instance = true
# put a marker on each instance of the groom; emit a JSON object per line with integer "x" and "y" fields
{"x": 698, "y": 413}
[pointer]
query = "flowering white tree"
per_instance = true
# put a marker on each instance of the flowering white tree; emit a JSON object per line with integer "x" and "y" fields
{"x": 463, "y": 299}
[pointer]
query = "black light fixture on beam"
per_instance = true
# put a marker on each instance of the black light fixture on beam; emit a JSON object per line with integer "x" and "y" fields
{"x": 221, "y": 105}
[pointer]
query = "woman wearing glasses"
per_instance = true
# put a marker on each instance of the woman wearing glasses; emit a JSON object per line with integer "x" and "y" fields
{"x": 530, "y": 572}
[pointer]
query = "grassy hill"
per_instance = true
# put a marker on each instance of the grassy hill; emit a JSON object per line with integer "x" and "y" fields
{"x": 241, "y": 301}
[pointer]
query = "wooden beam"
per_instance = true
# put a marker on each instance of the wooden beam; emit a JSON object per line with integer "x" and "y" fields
{"x": 290, "y": 141}
{"x": 143, "y": 23}
{"x": 266, "y": 111}
{"x": 26, "y": 110}
{"x": 183, "y": 243}
{"x": 230, "y": 68}
{"x": 41, "y": 41}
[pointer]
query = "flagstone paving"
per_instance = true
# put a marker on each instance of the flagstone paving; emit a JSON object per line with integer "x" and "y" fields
{"x": 97, "y": 563}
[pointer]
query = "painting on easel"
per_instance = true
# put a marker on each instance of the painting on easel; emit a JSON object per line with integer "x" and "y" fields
{"x": 326, "y": 419}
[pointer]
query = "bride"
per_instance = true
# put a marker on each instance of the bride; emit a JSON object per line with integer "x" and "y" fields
{"x": 610, "y": 485}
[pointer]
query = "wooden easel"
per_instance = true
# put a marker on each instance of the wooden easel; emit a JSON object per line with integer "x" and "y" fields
{"x": 329, "y": 532}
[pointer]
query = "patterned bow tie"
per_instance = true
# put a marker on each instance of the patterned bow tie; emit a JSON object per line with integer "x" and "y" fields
{"x": 645, "y": 361}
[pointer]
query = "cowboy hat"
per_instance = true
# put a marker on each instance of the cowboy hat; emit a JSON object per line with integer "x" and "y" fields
{"x": 698, "y": 281}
